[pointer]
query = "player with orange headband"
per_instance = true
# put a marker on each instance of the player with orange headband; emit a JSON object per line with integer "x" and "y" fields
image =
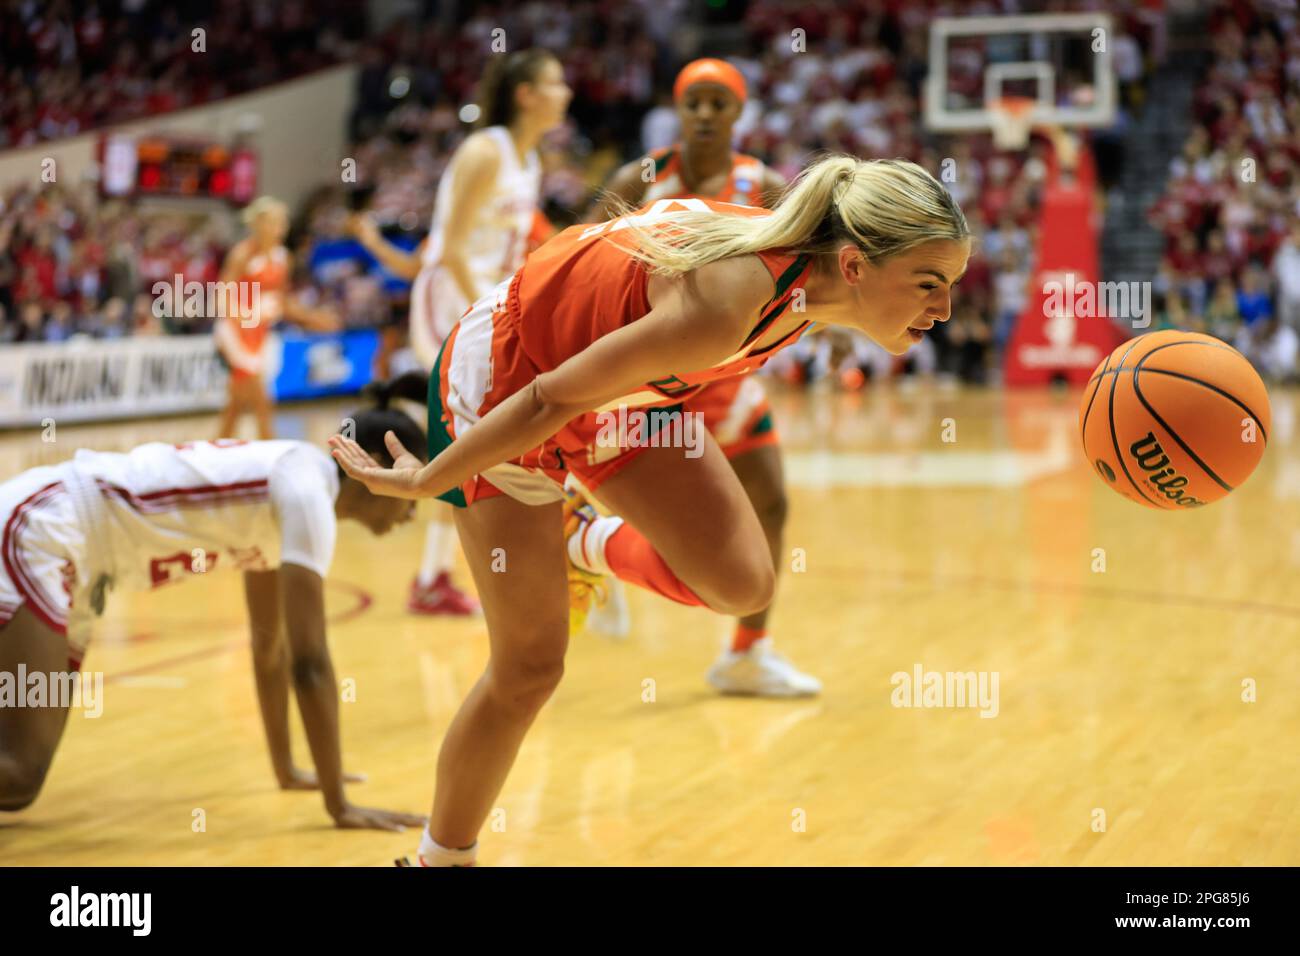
{"x": 710, "y": 95}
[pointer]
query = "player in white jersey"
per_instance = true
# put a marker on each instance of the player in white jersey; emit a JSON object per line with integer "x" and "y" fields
{"x": 162, "y": 514}
{"x": 483, "y": 216}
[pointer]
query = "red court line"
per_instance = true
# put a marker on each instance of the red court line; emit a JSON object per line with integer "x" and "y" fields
{"x": 361, "y": 595}
{"x": 1058, "y": 587}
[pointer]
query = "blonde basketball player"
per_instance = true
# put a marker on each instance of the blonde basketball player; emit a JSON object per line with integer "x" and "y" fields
{"x": 163, "y": 514}
{"x": 261, "y": 267}
{"x": 482, "y": 219}
{"x": 710, "y": 95}
{"x": 634, "y": 313}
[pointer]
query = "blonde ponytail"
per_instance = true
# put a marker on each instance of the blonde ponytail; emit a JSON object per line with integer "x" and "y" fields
{"x": 883, "y": 206}
{"x": 262, "y": 204}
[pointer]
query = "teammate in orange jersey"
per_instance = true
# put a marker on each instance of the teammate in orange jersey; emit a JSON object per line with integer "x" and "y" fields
{"x": 710, "y": 95}
{"x": 635, "y": 315}
{"x": 484, "y": 220}
{"x": 261, "y": 266}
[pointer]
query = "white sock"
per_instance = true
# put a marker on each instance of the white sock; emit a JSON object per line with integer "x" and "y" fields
{"x": 587, "y": 545}
{"x": 432, "y": 853}
{"x": 431, "y": 562}
{"x": 447, "y": 550}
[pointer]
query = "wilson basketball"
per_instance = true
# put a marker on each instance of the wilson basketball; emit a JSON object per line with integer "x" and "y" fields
{"x": 1174, "y": 420}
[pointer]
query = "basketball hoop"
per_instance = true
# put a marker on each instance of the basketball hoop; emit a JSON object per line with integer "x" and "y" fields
{"x": 1012, "y": 119}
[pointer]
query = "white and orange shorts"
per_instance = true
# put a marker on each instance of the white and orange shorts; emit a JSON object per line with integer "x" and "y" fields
{"x": 737, "y": 413}
{"x": 481, "y": 365}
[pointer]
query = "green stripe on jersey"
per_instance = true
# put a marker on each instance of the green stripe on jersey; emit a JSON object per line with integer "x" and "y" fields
{"x": 439, "y": 435}
{"x": 783, "y": 283}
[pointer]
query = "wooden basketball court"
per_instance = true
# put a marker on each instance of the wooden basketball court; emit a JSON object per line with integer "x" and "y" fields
{"x": 1120, "y": 733}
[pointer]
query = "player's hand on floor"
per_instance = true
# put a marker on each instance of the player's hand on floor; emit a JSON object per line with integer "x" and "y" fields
{"x": 367, "y": 818}
{"x": 299, "y": 779}
{"x": 396, "y": 482}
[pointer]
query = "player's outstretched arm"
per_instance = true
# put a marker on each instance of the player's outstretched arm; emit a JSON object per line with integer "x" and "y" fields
{"x": 473, "y": 175}
{"x": 398, "y": 261}
{"x": 312, "y": 673}
{"x": 312, "y": 318}
{"x": 698, "y": 321}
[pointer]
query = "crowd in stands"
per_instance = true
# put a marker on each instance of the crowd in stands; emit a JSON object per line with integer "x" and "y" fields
{"x": 67, "y": 67}
{"x": 69, "y": 262}
{"x": 1230, "y": 212}
{"x": 72, "y": 263}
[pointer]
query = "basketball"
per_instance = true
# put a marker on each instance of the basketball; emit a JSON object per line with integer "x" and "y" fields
{"x": 1174, "y": 420}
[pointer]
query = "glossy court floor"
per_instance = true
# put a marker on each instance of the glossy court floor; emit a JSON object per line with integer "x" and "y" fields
{"x": 1121, "y": 735}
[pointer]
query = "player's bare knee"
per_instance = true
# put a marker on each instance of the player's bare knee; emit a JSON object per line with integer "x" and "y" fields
{"x": 772, "y": 507}
{"x": 747, "y": 589}
{"x": 762, "y": 590}
{"x": 525, "y": 680}
{"x": 20, "y": 784}
{"x": 309, "y": 670}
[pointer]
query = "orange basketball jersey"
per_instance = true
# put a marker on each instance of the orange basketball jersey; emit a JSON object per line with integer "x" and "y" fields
{"x": 581, "y": 285}
{"x": 744, "y": 185}
{"x": 584, "y": 284}
{"x": 736, "y": 413}
{"x": 262, "y": 286}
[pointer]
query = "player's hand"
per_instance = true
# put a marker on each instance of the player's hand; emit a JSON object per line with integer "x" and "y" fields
{"x": 403, "y": 460}
{"x": 298, "y": 779}
{"x": 363, "y": 228}
{"x": 325, "y": 319}
{"x": 396, "y": 482}
{"x": 366, "y": 818}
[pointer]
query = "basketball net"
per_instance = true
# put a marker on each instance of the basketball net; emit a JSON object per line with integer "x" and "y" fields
{"x": 1012, "y": 120}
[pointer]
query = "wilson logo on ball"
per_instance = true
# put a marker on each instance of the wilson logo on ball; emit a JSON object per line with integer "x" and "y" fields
{"x": 1151, "y": 458}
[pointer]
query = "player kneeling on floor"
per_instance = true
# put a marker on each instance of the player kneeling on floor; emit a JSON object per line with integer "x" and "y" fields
{"x": 158, "y": 514}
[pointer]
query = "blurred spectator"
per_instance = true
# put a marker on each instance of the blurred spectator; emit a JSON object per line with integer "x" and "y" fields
{"x": 1286, "y": 270}
{"x": 1271, "y": 347}
{"x": 1010, "y": 293}
{"x": 31, "y": 322}
{"x": 1253, "y": 300}
{"x": 60, "y": 326}
{"x": 969, "y": 338}
{"x": 1222, "y": 317}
